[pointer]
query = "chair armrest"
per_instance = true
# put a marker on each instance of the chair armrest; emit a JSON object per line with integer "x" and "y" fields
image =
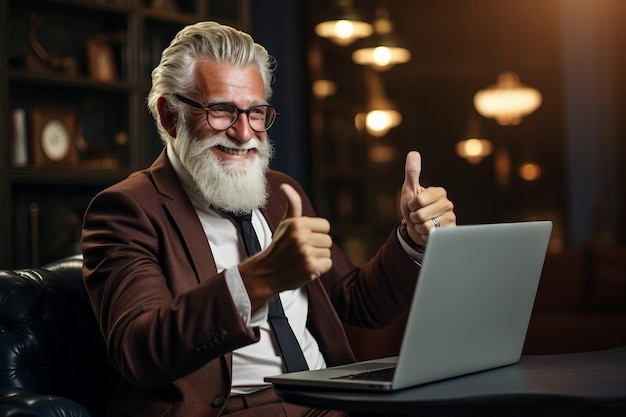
{"x": 20, "y": 402}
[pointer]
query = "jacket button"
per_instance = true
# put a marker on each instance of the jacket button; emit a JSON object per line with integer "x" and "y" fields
{"x": 218, "y": 401}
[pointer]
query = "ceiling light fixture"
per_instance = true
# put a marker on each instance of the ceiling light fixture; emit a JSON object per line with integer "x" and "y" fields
{"x": 382, "y": 114}
{"x": 474, "y": 148}
{"x": 345, "y": 26}
{"x": 508, "y": 100}
{"x": 381, "y": 51}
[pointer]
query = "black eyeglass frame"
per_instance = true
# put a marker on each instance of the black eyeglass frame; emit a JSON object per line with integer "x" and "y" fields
{"x": 206, "y": 110}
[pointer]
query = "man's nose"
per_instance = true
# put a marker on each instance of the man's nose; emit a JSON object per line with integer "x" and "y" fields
{"x": 241, "y": 129}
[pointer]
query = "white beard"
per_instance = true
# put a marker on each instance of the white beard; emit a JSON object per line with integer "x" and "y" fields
{"x": 234, "y": 186}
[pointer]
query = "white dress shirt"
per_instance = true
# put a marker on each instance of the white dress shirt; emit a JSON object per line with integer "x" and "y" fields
{"x": 253, "y": 362}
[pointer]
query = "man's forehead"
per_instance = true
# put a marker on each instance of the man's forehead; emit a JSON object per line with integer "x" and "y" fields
{"x": 224, "y": 78}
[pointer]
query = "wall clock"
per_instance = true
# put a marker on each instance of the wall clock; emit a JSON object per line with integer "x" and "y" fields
{"x": 53, "y": 137}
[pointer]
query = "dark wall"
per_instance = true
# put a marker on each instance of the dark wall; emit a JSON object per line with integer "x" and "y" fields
{"x": 279, "y": 28}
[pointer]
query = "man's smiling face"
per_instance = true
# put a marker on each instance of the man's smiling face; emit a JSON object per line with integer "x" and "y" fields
{"x": 229, "y": 165}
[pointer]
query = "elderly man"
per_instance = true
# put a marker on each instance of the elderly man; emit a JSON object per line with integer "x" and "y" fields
{"x": 186, "y": 260}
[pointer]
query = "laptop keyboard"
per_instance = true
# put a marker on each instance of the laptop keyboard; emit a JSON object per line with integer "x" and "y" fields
{"x": 384, "y": 375}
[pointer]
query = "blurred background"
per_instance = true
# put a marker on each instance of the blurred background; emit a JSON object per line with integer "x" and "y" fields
{"x": 561, "y": 158}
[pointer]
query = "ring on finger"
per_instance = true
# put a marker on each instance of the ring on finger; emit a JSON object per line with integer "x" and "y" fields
{"x": 436, "y": 222}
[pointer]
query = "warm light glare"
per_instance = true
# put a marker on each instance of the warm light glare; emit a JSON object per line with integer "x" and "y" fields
{"x": 343, "y": 32}
{"x": 381, "y": 57}
{"x": 508, "y": 100}
{"x": 344, "y": 29}
{"x": 474, "y": 150}
{"x": 530, "y": 171}
{"x": 324, "y": 88}
{"x": 379, "y": 122}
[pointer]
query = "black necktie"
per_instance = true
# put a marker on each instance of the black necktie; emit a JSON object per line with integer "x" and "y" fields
{"x": 287, "y": 342}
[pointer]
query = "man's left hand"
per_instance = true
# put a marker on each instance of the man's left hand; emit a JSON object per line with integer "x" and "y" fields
{"x": 423, "y": 208}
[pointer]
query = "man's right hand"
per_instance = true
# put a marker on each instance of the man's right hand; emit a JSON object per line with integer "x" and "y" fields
{"x": 299, "y": 253}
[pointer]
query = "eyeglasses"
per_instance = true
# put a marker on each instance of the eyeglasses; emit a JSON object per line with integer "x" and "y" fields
{"x": 221, "y": 116}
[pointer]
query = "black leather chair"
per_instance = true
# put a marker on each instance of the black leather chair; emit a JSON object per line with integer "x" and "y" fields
{"x": 52, "y": 355}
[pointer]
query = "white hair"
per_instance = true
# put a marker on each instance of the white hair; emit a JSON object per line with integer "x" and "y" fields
{"x": 203, "y": 41}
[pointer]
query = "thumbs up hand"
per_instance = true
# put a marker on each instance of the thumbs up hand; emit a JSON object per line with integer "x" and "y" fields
{"x": 411, "y": 186}
{"x": 294, "y": 202}
{"x": 423, "y": 208}
{"x": 299, "y": 253}
{"x": 306, "y": 237}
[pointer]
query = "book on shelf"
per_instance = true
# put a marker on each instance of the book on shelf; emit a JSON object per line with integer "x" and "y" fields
{"x": 19, "y": 147}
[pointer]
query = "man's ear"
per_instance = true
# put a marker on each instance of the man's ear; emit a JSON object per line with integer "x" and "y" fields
{"x": 168, "y": 118}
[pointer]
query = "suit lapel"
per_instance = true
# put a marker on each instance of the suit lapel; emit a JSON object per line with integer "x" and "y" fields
{"x": 183, "y": 217}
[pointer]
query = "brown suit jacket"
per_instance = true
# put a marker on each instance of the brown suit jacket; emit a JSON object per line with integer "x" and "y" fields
{"x": 166, "y": 314}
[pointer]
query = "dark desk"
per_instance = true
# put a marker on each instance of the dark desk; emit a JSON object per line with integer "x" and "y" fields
{"x": 577, "y": 384}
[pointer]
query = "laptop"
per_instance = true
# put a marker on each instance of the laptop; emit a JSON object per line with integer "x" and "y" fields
{"x": 470, "y": 311}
